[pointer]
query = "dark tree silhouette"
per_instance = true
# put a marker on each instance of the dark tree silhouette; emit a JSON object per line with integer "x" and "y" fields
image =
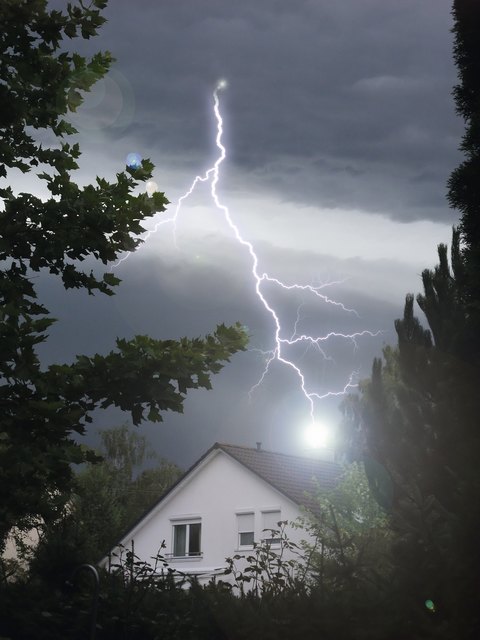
{"x": 42, "y": 408}
{"x": 417, "y": 417}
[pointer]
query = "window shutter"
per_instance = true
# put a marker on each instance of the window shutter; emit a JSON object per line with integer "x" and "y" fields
{"x": 271, "y": 519}
{"x": 246, "y": 522}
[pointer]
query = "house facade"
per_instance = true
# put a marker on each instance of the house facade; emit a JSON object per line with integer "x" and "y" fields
{"x": 222, "y": 505}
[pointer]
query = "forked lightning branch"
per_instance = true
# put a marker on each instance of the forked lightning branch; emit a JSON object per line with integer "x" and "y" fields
{"x": 281, "y": 339}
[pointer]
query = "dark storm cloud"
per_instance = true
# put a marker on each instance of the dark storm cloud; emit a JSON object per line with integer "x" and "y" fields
{"x": 343, "y": 104}
{"x": 167, "y": 297}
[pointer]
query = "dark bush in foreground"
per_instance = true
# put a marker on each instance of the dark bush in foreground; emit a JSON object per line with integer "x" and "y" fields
{"x": 135, "y": 604}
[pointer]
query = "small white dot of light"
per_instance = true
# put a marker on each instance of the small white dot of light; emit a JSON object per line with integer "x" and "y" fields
{"x": 150, "y": 187}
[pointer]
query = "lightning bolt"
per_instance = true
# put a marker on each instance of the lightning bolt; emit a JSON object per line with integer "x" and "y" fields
{"x": 280, "y": 342}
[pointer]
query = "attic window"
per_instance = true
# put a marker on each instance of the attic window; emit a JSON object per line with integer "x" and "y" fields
{"x": 186, "y": 539}
{"x": 246, "y": 529}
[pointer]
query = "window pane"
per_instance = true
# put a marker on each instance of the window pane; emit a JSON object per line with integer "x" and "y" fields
{"x": 179, "y": 539}
{"x": 194, "y": 539}
{"x": 246, "y": 538}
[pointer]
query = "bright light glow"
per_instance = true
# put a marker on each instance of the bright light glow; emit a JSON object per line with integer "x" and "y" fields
{"x": 150, "y": 187}
{"x": 222, "y": 84}
{"x": 318, "y": 436}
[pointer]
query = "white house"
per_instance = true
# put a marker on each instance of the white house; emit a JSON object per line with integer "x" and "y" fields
{"x": 222, "y": 504}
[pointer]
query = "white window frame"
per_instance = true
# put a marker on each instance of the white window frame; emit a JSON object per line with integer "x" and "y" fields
{"x": 187, "y": 523}
{"x": 245, "y": 528}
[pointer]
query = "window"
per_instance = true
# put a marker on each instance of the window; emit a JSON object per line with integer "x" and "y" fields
{"x": 246, "y": 529}
{"x": 187, "y": 539}
{"x": 270, "y": 520}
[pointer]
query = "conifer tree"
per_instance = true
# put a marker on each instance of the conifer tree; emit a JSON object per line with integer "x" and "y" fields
{"x": 463, "y": 187}
{"x": 417, "y": 418}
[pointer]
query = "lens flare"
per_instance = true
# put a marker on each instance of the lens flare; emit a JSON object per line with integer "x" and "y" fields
{"x": 150, "y": 187}
{"x": 430, "y": 605}
{"x": 134, "y": 160}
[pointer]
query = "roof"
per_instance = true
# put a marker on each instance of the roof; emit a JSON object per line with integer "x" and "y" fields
{"x": 294, "y": 476}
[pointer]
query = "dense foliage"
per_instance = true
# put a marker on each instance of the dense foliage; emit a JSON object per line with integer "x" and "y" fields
{"x": 108, "y": 496}
{"x": 463, "y": 193}
{"x": 278, "y": 591}
{"x": 42, "y": 408}
{"x": 349, "y": 536}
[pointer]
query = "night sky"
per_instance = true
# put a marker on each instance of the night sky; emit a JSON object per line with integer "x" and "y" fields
{"x": 340, "y": 133}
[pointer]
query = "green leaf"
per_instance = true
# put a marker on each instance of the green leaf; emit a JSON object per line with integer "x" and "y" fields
{"x": 111, "y": 279}
{"x": 154, "y": 415}
{"x": 74, "y": 99}
{"x": 70, "y": 30}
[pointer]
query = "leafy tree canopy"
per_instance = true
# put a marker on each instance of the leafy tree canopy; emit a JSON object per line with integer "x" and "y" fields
{"x": 108, "y": 497}
{"x": 350, "y": 535}
{"x": 42, "y": 408}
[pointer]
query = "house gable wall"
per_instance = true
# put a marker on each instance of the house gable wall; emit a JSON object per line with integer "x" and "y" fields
{"x": 214, "y": 494}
